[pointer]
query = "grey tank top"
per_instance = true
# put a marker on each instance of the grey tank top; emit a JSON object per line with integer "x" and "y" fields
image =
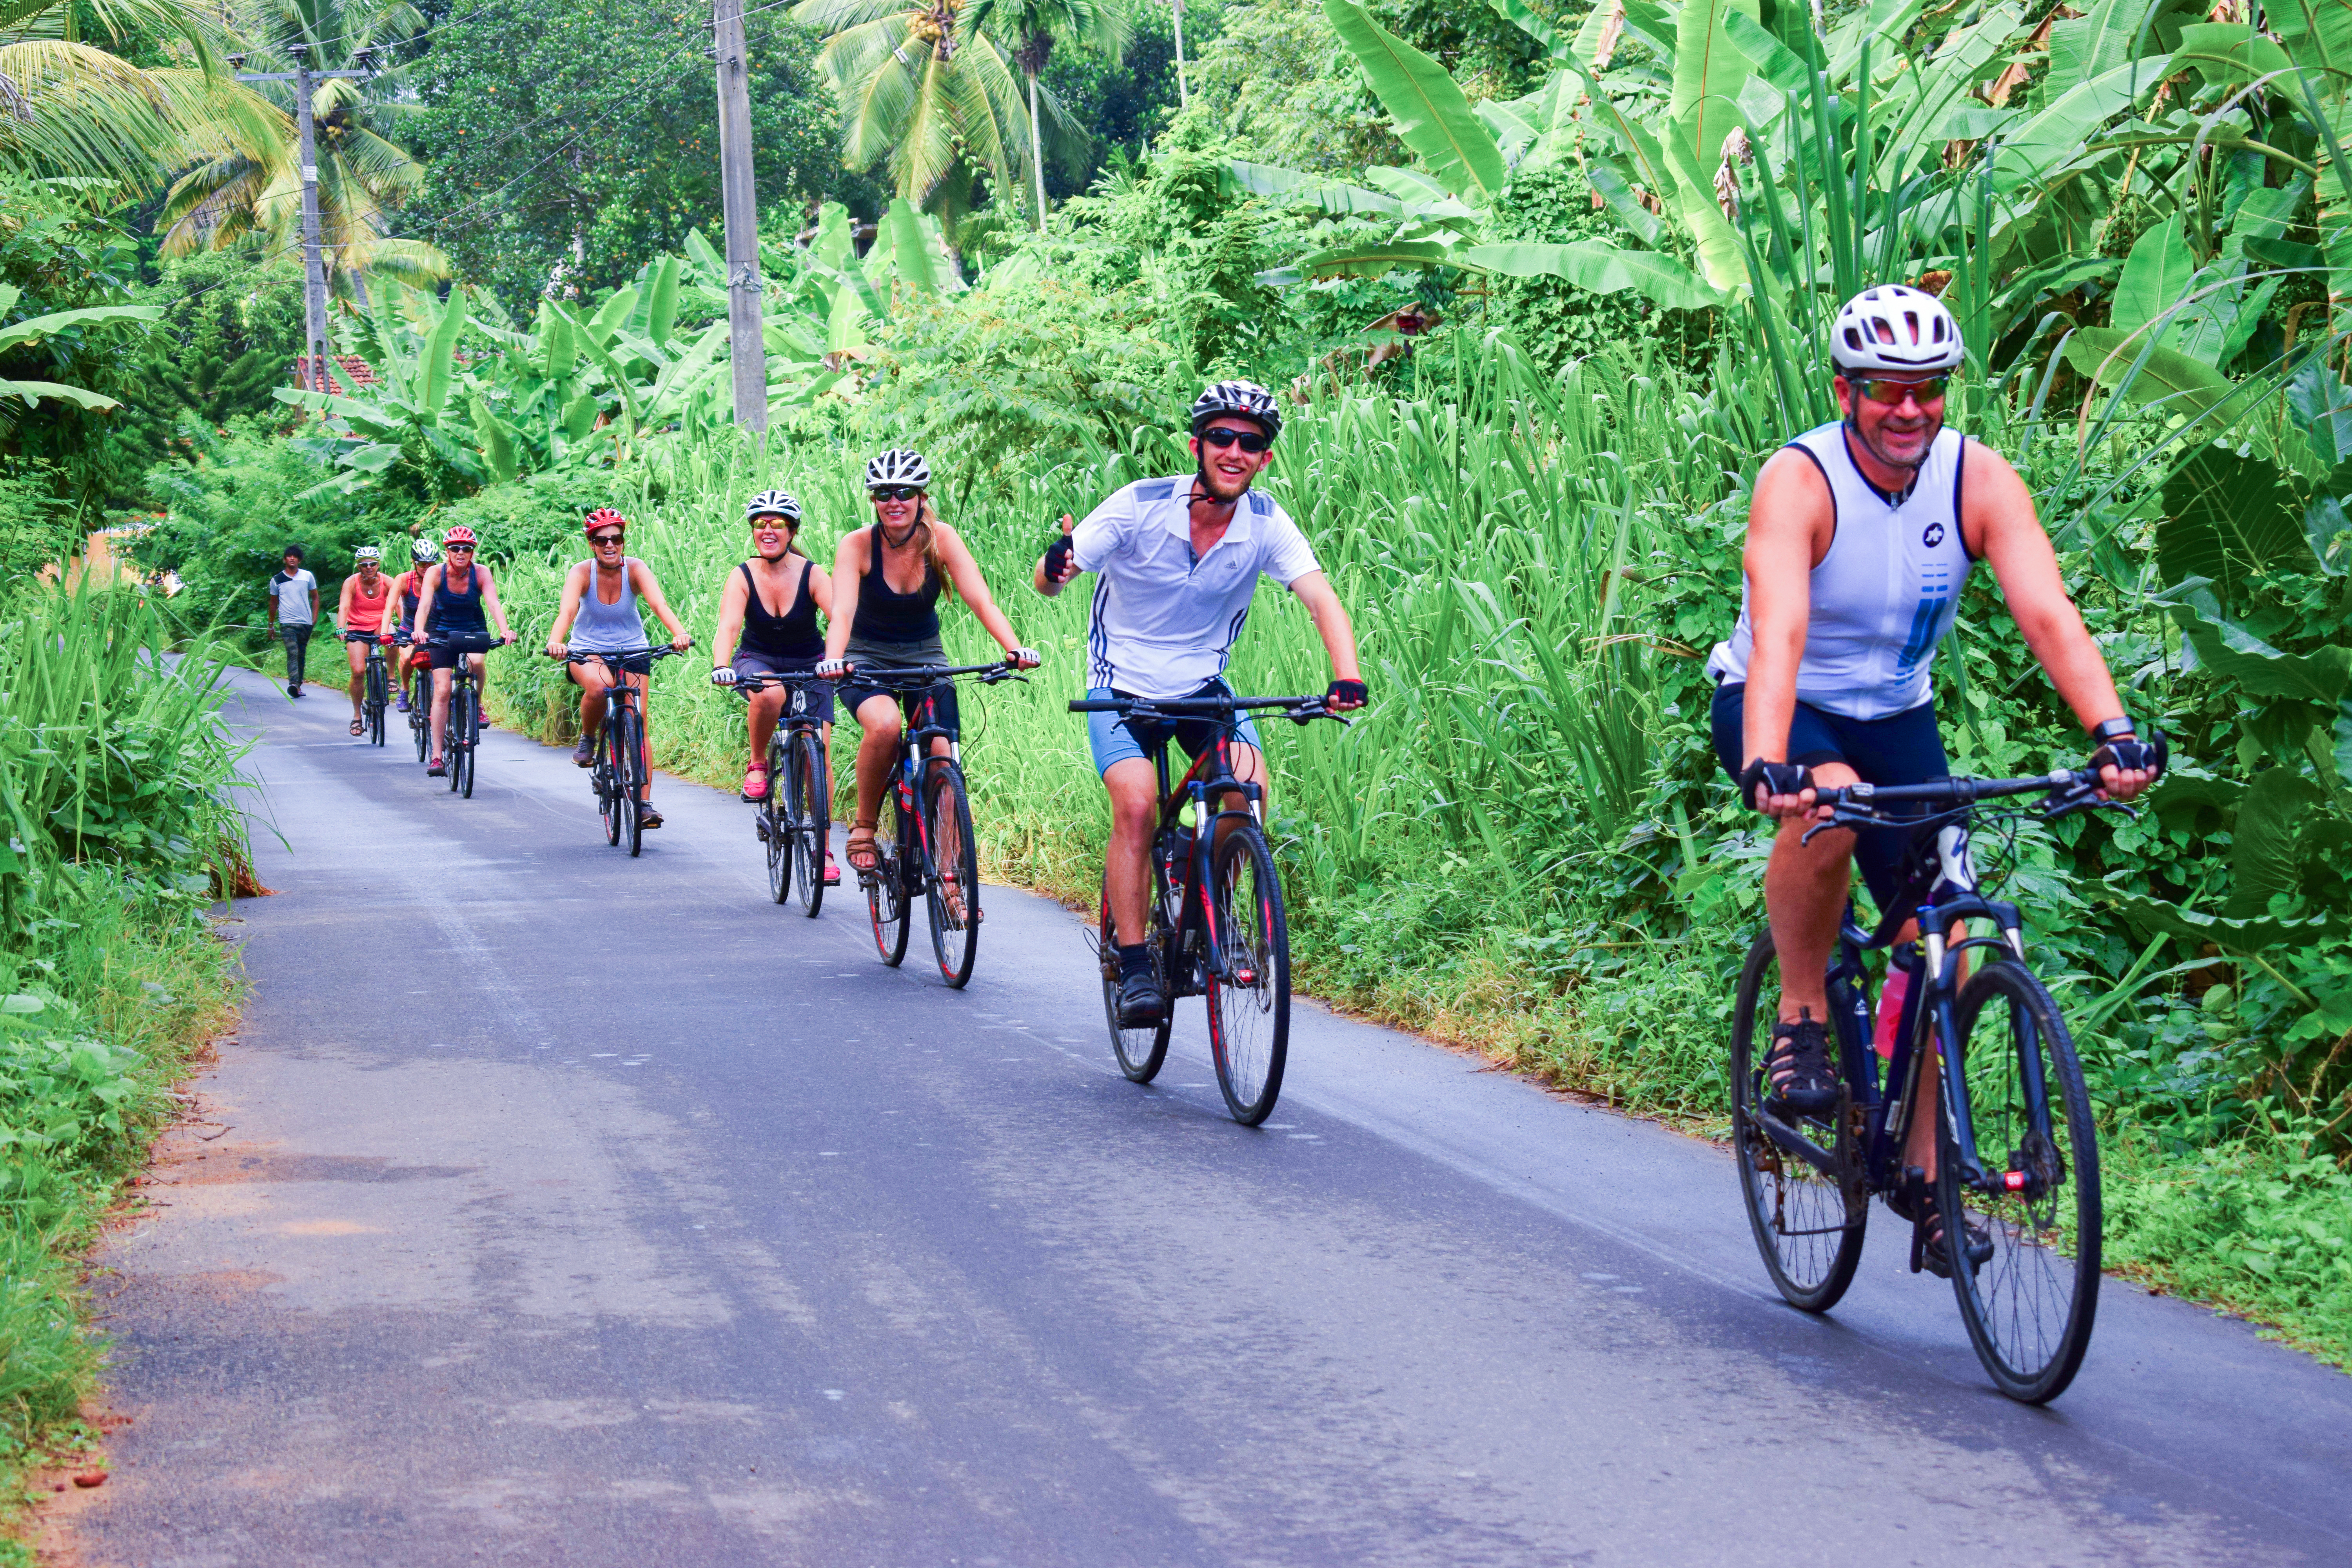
{"x": 610, "y": 628}
{"x": 1885, "y": 593}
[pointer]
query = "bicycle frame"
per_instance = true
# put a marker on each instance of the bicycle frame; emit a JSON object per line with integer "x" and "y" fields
{"x": 1211, "y": 775}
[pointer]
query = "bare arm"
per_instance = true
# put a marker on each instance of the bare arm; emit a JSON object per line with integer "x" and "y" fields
{"x": 1331, "y": 622}
{"x": 848, "y": 567}
{"x": 575, "y": 582}
{"x": 490, "y": 599}
{"x": 964, "y": 571}
{"x": 730, "y": 620}
{"x": 1997, "y": 514}
{"x": 425, "y": 588}
{"x": 1790, "y": 522}
{"x": 343, "y": 602}
{"x": 650, "y": 586}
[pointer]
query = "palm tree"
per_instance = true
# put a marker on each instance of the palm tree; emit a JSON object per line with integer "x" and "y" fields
{"x": 931, "y": 91}
{"x": 254, "y": 191}
{"x": 1034, "y": 25}
{"x": 69, "y": 109}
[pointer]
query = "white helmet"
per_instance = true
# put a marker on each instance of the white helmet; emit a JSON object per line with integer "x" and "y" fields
{"x": 772, "y": 503}
{"x": 367, "y": 553}
{"x": 1896, "y": 328}
{"x": 423, "y": 552}
{"x": 898, "y": 466}
{"x": 1239, "y": 399}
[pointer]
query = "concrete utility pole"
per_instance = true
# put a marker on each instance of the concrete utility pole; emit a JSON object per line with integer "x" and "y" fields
{"x": 314, "y": 266}
{"x": 747, "y": 352}
{"x": 1183, "y": 94}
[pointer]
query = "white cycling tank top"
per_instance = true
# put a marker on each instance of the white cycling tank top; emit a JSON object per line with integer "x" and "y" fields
{"x": 1884, "y": 594}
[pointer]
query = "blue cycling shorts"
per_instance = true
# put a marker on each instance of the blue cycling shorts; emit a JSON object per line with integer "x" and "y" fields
{"x": 1113, "y": 740}
{"x": 1901, "y": 749}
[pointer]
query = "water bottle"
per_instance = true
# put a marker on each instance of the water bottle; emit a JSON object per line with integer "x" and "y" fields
{"x": 1891, "y": 997}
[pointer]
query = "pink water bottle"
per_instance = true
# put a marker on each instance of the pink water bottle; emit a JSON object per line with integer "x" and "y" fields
{"x": 1890, "y": 1010}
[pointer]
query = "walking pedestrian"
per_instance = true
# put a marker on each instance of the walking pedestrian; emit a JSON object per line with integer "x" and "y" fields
{"x": 293, "y": 611}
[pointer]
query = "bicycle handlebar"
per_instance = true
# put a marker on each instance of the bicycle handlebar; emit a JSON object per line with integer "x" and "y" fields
{"x": 2069, "y": 790}
{"x": 664, "y": 651}
{"x": 1298, "y": 709}
{"x": 468, "y": 644}
{"x": 916, "y": 677}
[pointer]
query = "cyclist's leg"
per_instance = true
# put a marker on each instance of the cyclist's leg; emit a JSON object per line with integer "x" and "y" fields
{"x": 357, "y": 654}
{"x": 592, "y": 680}
{"x": 1122, "y": 757}
{"x": 878, "y": 753}
{"x": 636, "y": 679}
{"x": 479, "y": 663}
{"x": 442, "y": 676}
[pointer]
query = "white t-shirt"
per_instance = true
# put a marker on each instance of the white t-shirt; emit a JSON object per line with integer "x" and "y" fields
{"x": 1162, "y": 624}
{"x": 293, "y": 591}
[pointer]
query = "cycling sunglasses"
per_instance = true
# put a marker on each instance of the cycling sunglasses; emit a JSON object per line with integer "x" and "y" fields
{"x": 1248, "y": 440}
{"x": 453, "y": 549}
{"x": 1891, "y": 392}
{"x": 897, "y": 493}
{"x": 601, "y": 539}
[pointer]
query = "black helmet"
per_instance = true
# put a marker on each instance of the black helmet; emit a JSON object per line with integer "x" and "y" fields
{"x": 1245, "y": 399}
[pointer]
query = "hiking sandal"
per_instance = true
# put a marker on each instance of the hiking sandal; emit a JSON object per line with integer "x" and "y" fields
{"x": 862, "y": 841}
{"x": 1797, "y": 1068}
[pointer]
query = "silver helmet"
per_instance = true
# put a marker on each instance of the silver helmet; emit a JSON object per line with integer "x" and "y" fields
{"x": 772, "y": 503}
{"x": 898, "y": 466}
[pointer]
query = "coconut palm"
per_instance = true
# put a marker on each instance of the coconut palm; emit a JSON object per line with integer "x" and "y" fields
{"x": 932, "y": 91}
{"x": 69, "y": 109}
{"x": 1034, "y": 26}
{"x": 254, "y": 191}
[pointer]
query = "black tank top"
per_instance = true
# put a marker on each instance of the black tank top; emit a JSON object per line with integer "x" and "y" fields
{"x": 457, "y": 615}
{"x": 792, "y": 635}
{"x": 887, "y": 616}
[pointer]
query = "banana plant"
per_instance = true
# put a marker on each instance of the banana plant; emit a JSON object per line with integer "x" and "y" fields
{"x": 24, "y": 333}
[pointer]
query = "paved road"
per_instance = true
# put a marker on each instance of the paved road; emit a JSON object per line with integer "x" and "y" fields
{"x": 572, "y": 1210}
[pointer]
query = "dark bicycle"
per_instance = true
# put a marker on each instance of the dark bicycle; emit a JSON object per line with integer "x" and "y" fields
{"x": 419, "y": 684}
{"x": 622, "y": 768}
{"x": 926, "y": 851}
{"x": 796, "y": 818}
{"x": 2022, "y": 1233}
{"x": 376, "y": 694}
{"x": 463, "y": 733}
{"x": 1215, "y": 912}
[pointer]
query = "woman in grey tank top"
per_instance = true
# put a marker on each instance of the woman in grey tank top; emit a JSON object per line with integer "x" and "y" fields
{"x": 600, "y": 614}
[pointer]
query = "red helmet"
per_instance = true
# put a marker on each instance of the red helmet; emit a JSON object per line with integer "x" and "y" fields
{"x": 460, "y": 534}
{"x": 605, "y": 517}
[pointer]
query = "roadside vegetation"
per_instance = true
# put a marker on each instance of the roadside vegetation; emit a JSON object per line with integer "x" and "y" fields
{"x": 1545, "y": 281}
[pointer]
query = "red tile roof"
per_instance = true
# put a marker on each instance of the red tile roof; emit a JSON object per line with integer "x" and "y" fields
{"x": 346, "y": 374}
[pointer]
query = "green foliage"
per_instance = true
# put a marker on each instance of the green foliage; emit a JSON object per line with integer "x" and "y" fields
{"x": 36, "y": 528}
{"x": 1556, "y": 321}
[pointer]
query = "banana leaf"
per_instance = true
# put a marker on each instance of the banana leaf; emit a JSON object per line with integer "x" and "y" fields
{"x": 1432, "y": 116}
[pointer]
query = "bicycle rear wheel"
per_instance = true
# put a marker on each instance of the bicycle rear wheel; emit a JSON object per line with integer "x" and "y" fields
{"x": 1141, "y": 1052}
{"x": 810, "y": 826}
{"x": 886, "y": 890}
{"x": 954, "y": 866}
{"x": 2029, "y": 1308}
{"x": 1249, "y": 976}
{"x": 629, "y": 752}
{"x": 420, "y": 712}
{"x": 777, "y": 814}
{"x": 1808, "y": 1225}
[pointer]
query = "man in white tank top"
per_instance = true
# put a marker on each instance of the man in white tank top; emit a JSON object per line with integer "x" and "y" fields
{"x": 1860, "y": 535}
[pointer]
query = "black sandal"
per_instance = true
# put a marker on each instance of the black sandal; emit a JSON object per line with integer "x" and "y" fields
{"x": 1927, "y": 1224}
{"x": 1797, "y": 1076}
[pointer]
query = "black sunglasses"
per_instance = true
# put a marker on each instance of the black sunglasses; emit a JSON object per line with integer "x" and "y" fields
{"x": 601, "y": 539}
{"x": 897, "y": 493}
{"x": 453, "y": 549}
{"x": 1247, "y": 440}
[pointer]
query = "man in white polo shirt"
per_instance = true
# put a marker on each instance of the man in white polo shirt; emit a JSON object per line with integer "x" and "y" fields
{"x": 1178, "y": 561}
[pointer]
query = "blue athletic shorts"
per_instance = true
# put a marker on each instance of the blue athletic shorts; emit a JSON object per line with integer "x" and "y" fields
{"x": 1114, "y": 740}
{"x": 1903, "y": 749}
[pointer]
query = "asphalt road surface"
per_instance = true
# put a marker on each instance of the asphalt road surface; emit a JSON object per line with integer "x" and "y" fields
{"x": 555, "y": 1207}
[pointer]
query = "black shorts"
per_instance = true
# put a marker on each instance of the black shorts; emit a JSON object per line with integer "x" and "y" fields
{"x": 443, "y": 655}
{"x": 1901, "y": 749}
{"x": 817, "y": 695}
{"x": 945, "y": 716}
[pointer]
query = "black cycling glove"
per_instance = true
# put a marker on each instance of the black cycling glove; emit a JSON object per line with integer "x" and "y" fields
{"x": 1778, "y": 778}
{"x": 2151, "y": 753}
{"x": 1057, "y": 557}
{"x": 1354, "y": 691}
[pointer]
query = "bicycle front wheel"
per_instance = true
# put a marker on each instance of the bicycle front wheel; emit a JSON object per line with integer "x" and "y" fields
{"x": 1141, "y": 1051}
{"x": 629, "y": 771}
{"x": 952, "y": 879}
{"x": 886, "y": 890}
{"x": 377, "y": 700}
{"x": 1249, "y": 976}
{"x": 2030, "y": 1306}
{"x": 462, "y": 759}
{"x": 777, "y": 814}
{"x": 453, "y": 739}
{"x": 811, "y": 818}
{"x": 1808, "y": 1223}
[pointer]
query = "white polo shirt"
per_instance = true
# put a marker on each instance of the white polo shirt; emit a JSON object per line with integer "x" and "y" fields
{"x": 1162, "y": 624}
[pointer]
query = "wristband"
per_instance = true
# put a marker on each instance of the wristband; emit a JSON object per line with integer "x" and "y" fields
{"x": 2114, "y": 729}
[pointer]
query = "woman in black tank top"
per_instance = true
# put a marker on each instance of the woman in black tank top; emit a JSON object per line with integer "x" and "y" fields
{"x": 887, "y": 581}
{"x": 771, "y": 603}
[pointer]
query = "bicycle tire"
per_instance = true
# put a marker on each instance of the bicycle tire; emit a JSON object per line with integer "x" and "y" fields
{"x": 464, "y": 755}
{"x": 776, "y": 817}
{"x": 1141, "y": 1052}
{"x": 1808, "y": 1227}
{"x": 453, "y": 726}
{"x": 1249, "y": 975}
{"x": 949, "y": 853}
{"x": 377, "y": 700}
{"x": 812, "y": 825}
{"x": 886, "y": 890}
{"x": 630, "y": 748}
{"x": 420, "y": 714}
{"x": 608, "y": 798}
{"x": 2029, "y": 1308}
